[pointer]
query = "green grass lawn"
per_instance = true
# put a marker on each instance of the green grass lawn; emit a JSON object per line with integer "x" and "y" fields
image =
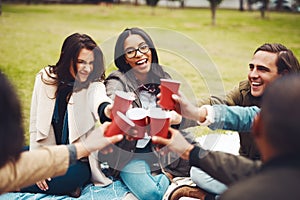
{"x": 31, "y": 38}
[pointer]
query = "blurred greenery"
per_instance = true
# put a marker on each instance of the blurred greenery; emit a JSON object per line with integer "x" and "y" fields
{"x": 31, "y": 37}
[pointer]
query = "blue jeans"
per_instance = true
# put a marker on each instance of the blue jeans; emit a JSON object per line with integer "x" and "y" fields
{"x": 77, "y": 175}
{"x": 206, "y": 182}
{"x": 138, "y": 178}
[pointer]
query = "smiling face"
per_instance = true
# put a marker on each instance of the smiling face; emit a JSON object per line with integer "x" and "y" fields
{"x": 263, "y": 71}
{"x": 85, "y": 65}
{"x": 141, "y": 62}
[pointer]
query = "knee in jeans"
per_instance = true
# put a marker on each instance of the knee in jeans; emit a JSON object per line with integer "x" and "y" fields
{"x": 196, "y": 173}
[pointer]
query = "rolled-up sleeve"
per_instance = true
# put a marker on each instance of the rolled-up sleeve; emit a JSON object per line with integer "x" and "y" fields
{"x": 235, "y": 118}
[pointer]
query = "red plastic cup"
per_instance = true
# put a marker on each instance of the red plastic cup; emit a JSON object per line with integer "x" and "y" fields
{"x": 159, "y": 122}
{"x": 139, "y": 117}
{"x": 122, "y": 102}
{"x": 167, "y": 88}
{"x": 119, "y": 125}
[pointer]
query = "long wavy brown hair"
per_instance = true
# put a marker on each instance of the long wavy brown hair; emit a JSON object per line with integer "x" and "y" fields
{"x": 11, "y": 123}
{"x": 60, "y": 72}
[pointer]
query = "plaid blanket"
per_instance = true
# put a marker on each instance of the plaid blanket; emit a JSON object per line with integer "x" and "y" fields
{"x": 115, "y": 191}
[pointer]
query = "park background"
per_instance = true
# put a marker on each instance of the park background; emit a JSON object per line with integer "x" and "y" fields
{"x": 31, "y": 37}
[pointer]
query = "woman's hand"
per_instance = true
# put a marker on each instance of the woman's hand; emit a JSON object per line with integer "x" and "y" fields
{"x": 107, "y": 110}
{"x": 97, "y": 141}
{"x": 177, "y": 143}
{"x": 175, "y": 118}
{"x": 43, "y": 184}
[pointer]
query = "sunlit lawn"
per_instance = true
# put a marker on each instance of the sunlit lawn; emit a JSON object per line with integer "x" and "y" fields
{"x": 31, "y": 38}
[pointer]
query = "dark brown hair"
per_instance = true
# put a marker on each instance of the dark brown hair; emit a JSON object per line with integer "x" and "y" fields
{"x": 156, "y": 71}
{"x": 11, "y": 124}
{"x": 286, "y": 60}
{"x": 71, "y": 48}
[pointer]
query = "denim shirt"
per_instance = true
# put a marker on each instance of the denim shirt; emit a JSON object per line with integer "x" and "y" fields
{"x": 235, "y": 118}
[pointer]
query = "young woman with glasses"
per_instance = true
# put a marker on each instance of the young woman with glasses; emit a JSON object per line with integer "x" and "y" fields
{"x": 140, "y": 72}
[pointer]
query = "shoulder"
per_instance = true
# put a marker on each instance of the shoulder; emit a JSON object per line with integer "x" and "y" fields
{"x": 273, "y": 184}
{"x": 115, "y": 74}
{"x": 158, "y": 71}
{"x": 239, "y": 95}
{"x": 244, "y": 85}
{"x": 167, "y": 75}
{"x": 96, "y": 86}
{"x": 45, "y": 75}
{"x": 243, "y": 189}
{"x": 119, "y": 79}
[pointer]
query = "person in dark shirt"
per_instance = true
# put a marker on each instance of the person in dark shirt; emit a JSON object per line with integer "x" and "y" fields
{"x": 277, "y": 135}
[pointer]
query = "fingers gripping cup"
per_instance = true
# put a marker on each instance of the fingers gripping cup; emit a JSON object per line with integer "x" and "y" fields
{"x": 167, "y": 88}
{"x": 139, "y": 118}
{"x": 159, "y": 122}
{"x": 119, "y": 125}
{"x": 122, "y": 102}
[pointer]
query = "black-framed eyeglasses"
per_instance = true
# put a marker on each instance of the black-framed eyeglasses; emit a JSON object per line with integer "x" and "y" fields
{"x": 131, "y": 52}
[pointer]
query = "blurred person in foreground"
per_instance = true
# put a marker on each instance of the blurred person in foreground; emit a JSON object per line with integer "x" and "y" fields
{"x": 19, "y": 169}
{"x": 276, "y": 133}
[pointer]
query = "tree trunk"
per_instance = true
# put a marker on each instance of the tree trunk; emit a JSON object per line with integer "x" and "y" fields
{"x": 182, "y": 4}
{"x": 0, "y": 7}
{"x": 241, "y": 5}
{"x": 249, "y": 4}
{"x": 213, "y": 7}
{"x": 264, "y": 9}
{"x": 262, "y": 13}
{"x": 279, "y": 5}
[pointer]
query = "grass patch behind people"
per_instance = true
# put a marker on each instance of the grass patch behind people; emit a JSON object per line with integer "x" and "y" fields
{"x": 31, "y": 37}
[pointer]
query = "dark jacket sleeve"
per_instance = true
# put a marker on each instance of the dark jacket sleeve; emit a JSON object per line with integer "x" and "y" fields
{"x": 227, "y": 168}
{"x": 176, "y": 165}
{"x": 101, "y": 113}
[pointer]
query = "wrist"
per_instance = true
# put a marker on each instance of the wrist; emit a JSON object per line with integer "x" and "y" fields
{"x": 106, "y": 112}
{"x": 186, "y": 153}
{"x": 72, "y": 154}
{"x": 207, "y": 115}
{"x": 202, "y": 113}
{"x": 81, "y": 151}
{"x": 197, "y": 153}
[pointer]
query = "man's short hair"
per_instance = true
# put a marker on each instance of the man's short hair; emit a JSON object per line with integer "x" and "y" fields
{"x": 286, "y": 60}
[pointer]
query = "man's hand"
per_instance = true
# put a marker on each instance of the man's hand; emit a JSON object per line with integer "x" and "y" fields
{"x": 96, "y": 141}
{"x": 177, "y": 143}
{"x": 185, "y": 108}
